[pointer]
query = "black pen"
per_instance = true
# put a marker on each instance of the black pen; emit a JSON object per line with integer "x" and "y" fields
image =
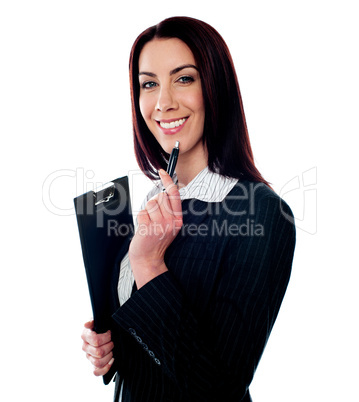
{"x": 173, "y": 159}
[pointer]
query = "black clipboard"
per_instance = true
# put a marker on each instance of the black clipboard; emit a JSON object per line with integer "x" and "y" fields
{"x": 104, "y": 221}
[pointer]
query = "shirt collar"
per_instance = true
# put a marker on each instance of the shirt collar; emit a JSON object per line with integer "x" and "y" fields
{"x": 207, "y": 186}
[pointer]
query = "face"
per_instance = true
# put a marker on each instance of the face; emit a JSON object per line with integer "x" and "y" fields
{"x": 171, "y": 100}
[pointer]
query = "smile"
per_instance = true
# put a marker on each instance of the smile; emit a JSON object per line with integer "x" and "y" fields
{"x": 173, "y": 124}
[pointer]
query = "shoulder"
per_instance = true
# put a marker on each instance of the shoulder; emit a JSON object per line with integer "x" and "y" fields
{"x": 257, "y": 199}
{"x": 264, "y": 219}
{"x": 246, "y": 189}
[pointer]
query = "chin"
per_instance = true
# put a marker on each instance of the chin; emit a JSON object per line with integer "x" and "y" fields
{"x": 169, "y": 144}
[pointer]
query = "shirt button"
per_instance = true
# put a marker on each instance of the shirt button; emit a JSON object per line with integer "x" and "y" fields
{"x": 151, "y": 353}
{"x": 132, "y": 331}
{"x": 157, "y": 361}
{"x": 138, "y": 339}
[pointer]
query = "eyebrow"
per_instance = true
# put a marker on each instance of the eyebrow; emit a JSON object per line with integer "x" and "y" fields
{"x": 174, "y": 71}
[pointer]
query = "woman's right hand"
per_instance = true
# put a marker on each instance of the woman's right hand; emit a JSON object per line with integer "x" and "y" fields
{"x": 98, "y": 349}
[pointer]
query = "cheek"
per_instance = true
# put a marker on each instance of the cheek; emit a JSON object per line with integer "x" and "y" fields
{"x": 145, "y": 107}
{"x": 195, "y": 102}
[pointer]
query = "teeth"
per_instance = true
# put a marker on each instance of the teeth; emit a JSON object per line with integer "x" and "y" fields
{"x": 173, "y": 124}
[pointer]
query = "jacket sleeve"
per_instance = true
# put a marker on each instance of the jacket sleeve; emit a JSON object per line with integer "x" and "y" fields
{"x": 220, "y": 350}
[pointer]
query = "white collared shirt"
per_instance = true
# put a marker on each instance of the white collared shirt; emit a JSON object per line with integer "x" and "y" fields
{"x": 207, "y": 186}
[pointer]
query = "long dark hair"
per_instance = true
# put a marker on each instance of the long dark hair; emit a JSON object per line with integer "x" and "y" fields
{"x": 225, "y": 131}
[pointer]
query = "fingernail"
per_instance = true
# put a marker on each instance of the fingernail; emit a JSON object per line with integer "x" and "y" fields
{"x": 111, "y": 361}
{"x": 162, "y": 172}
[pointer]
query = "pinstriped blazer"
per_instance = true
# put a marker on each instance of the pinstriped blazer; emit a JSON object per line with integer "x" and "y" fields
{"x": 197, "y": 332}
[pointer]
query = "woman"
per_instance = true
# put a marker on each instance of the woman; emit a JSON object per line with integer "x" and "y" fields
{"x": 212, "y": 255}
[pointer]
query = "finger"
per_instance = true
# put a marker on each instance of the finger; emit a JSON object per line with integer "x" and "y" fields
{"x": 154, "y": 211}
{"x": 99, "y": 363}
{"x": 104, "y": 370}
{"x": 172, "y": 191}
{"x": 167, "y": 182}
{"x": 89, "y": 324}
{"x": 165, "y": 206}
{"x": 98, "y": 352}
{"x": 95, "y": 339}
{"x": 143, "y": 218}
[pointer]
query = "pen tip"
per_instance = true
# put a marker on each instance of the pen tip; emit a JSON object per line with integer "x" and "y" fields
{"x": 177, "y": 144}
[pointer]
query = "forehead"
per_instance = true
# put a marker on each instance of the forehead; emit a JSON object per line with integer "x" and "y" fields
{"x": 165, "y": 54}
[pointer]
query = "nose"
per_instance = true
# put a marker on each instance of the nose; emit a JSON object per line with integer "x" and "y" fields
{"x": 166, "y": 100}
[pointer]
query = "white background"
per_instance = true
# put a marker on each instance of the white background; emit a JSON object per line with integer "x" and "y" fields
{"x": 65, "y": 124}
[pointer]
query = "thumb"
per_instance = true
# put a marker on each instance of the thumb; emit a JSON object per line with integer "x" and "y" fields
{"x": 89, "y": 324}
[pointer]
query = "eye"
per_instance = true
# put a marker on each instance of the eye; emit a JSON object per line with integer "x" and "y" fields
{"x": 186, "y": 79}
{"x": 148, "y": 85}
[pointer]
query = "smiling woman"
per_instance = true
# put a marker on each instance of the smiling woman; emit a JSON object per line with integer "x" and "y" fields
{"x": 197, "y": 290}
{"x": 171, "y": 101}
{"x": 225, "y": 131}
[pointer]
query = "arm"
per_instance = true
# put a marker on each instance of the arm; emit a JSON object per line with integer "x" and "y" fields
{"x": 217, "y": 353}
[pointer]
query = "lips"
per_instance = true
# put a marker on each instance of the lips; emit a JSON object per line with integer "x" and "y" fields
{"x": 172, "y": 126}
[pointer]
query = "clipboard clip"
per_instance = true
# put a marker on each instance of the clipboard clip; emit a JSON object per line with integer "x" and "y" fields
{"x": 104, "y": 194}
